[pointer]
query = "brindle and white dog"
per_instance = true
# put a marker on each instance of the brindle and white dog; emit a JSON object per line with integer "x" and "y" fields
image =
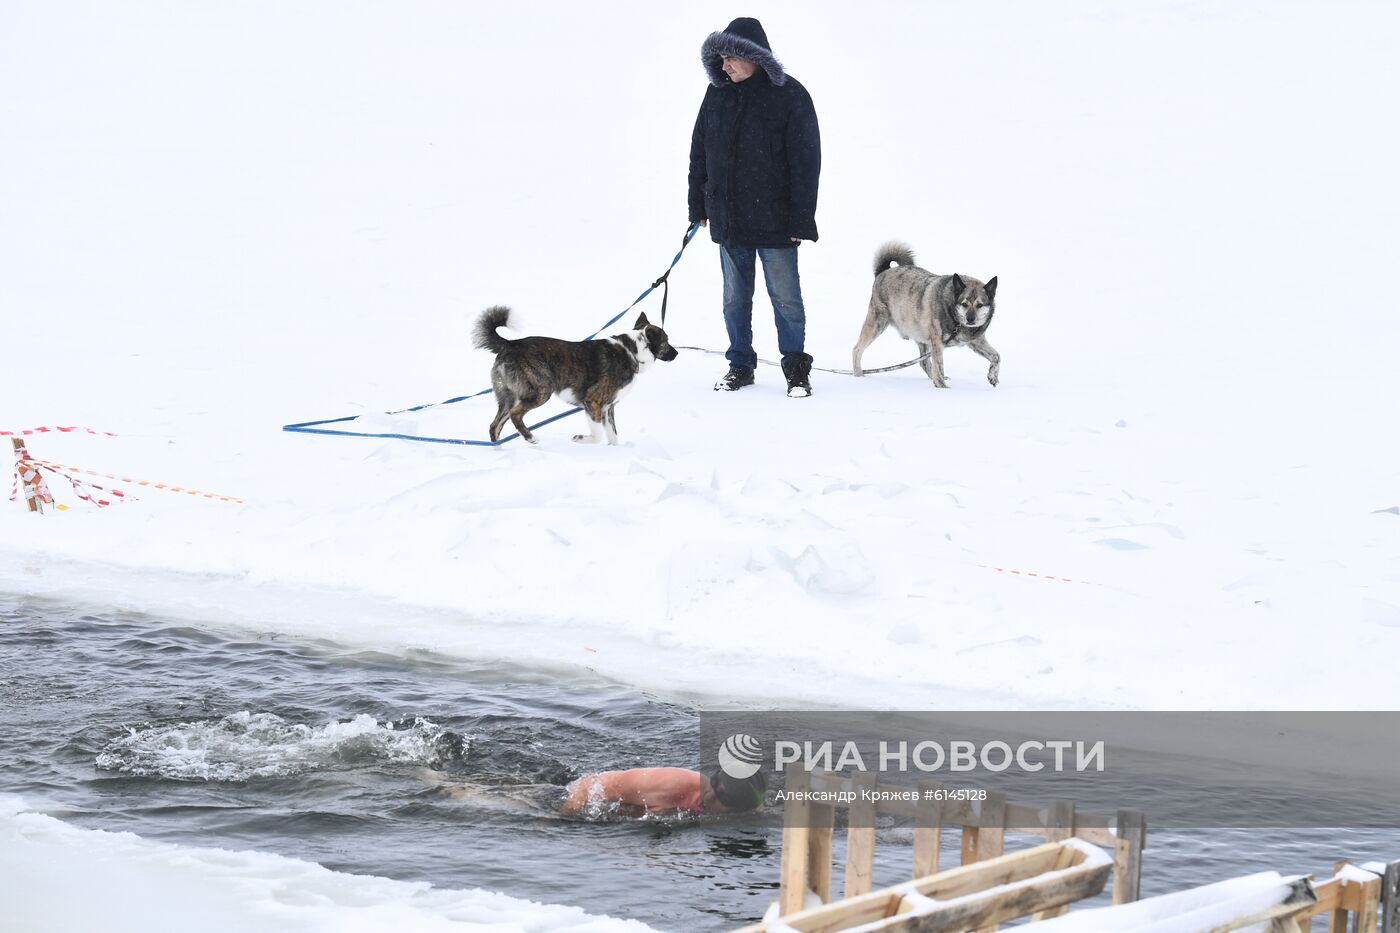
{"x": 592, "y": 374}
{"x": 934, "y": 311}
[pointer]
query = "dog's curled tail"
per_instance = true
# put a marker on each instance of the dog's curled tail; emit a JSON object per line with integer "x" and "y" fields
{"x": 486, "y": 337}
{"x": 893, "y": 251}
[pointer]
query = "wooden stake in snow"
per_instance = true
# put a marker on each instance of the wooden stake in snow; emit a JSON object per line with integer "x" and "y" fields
{"x": 27, "y": 477}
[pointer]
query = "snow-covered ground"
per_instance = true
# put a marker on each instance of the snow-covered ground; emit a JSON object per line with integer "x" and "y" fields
{"x": 56, "y": 877}
{"x": 221, "y": 219}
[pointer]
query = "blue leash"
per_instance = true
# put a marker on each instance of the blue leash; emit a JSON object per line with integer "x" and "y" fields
{"x": 314, "y": 427}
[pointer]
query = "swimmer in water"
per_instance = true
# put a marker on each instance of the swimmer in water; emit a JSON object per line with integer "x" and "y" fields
{"x": 642, "y": 791}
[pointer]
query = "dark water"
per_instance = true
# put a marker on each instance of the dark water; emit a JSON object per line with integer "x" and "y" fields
{"x": 340, "y": 757}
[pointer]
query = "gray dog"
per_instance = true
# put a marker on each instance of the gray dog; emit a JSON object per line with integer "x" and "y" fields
{"x": 934, "y": 311}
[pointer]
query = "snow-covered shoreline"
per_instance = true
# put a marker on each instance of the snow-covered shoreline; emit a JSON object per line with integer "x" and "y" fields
{"x": 222, "y": 219}
{"x": 875, "y": 574}
{"x": 134, "y": 884}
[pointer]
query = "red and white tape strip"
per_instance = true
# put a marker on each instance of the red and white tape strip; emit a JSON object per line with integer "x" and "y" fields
{"x": 56, "y": 430}
{"x": 28, "y": 478}
{"x": 79, "y": 485}
{"x": 137, "y": 482}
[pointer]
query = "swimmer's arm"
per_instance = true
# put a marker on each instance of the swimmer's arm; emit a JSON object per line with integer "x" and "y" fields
{"x": 577, "y": 800}
{"x": 607, "y": 786}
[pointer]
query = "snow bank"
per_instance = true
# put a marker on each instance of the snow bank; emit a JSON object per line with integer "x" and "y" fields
{"x": 1193, "y": 911}
{"x": 197, "y": 251}
{"x": 54, "y": 877}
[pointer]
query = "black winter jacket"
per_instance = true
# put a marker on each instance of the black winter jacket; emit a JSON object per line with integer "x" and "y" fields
{"x": 755, "y": 155}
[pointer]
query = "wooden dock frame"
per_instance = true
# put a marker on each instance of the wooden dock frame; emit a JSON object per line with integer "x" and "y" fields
{"x": 808, "y": 828}
{"x": 971, "y": 897}
{"x": 1045, "y": 880}
{"x": 1369, "y": 906}
{"x": 1356, "y": 901}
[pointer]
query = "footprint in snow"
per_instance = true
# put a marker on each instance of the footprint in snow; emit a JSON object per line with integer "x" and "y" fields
{"x": 1028, "y": 641}
{"x": 1122, "y": 544}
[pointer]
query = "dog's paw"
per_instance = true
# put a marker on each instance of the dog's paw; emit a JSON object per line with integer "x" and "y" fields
{"x": 993, "y": 378}
{"x": 531, "y": 439}
{"x": 585, "y": 439}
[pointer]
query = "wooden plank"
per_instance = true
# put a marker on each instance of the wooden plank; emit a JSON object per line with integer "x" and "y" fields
{"x": 1300, "y": 898}
{"x": 860, "y": 837}
{"x": 797, "y": 813}
{"x": 875, "y": 907}
{"x": 991, "y": 840}
{"x": 1059, "y": 825}
{"x": 1127, "y": 856}
{"x": 1032, "y": 896}
{"x": 1353, "y": 896}
{"x": 1390, "y": 899}
{"x": 1059, "y": 820}
{"x": 1337, "y": 920}
{"x": 969, "y": 845}
{"x": 1024, "y": 818}
{"x": 1368, "y": 915}
{"x": 841, "y": 915}
{"x": 991, "y": 908}
{"x": 928, "y": 829}
{"x": 993, "y": 837}
{"x": 1329, "y": 896}
{"x": 819, "y": 850}
{"x": 1098, "y": 835}
{"x": 1017, "y": 866}
{"x": 984, "y": 834}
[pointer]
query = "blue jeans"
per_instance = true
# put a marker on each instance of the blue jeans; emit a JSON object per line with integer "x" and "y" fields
{"x": 784, "y": 288}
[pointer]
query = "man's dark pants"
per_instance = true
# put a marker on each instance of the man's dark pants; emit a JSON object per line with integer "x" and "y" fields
{"x": 784, "y": 288}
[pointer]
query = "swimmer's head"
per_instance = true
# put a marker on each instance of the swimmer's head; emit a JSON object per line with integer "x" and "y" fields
{"x": 738, "y": 794}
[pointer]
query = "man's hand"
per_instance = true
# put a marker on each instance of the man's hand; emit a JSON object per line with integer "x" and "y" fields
{"x": 795, "y": 239}
{"x": 703, "y": 221}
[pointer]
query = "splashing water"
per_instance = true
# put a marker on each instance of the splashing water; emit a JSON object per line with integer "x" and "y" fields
{"x": 248, "y": 745}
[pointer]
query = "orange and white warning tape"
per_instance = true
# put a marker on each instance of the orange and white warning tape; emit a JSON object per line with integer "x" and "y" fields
{"x": 137, "y": 482}
{"x": 49, "y": 430}
{"x": 1038, "y": 576}
{"x": 80, "y": 485}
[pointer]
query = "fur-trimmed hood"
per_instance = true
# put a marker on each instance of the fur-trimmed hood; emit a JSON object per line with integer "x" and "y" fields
{"x": 744, "y": 38}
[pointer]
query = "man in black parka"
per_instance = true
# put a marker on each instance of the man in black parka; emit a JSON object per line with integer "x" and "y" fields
{"x": 755, "y": 157}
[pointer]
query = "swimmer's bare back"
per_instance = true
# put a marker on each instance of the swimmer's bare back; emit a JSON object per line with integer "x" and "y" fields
{"x": 637, "y": 792}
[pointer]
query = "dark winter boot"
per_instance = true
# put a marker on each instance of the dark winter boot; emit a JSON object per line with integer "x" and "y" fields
{"x": 735, "y": 379}
{"x": 798, "y": 369}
